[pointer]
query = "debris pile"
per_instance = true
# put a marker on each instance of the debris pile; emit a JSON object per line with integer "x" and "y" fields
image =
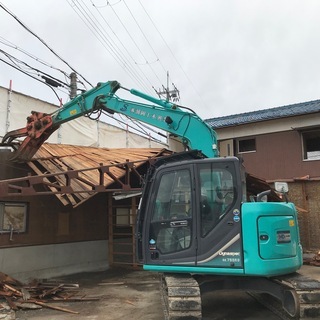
{"x": 37, "y": 294}
{"x": 316, "y": 260}
{"x": 312, "y": 259}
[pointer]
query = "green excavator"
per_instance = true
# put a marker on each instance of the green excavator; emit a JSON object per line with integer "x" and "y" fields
{"x": 200, "y": 222}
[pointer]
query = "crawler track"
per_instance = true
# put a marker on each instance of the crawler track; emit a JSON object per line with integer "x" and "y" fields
{"x": 182, "y": 298}
{"x": 308, "y": 291}
{"x": 308, "y": 294}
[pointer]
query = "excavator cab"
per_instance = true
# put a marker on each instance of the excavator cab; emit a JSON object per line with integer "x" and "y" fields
{"x": 194, "y": 218}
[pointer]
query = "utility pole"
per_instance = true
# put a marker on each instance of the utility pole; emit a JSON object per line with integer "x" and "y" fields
{"x": 169, "y": 95}
{"x": 73, "y": 85}
{"x": 8, "y": 107}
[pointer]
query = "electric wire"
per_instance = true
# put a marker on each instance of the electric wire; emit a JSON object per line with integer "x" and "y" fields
{"x": 144, "y": 35}
{"x": 95, "y": 30}
{"x": 28, "y": 29}
{"x": 135, "y": 43}
{"x": 19, "y": 67}
{"x": 173, "y": 55}
{"x": 89, "y": 21}
{"x": 9, "y": 56}
{"x": 30, "y": 76}
{"x": 122, "y": 44}
{"x": 135, "y": 123}
{"x": 141, "y": 132}
{"x": 142, "y": 124}
{"x": 90, "y": 28}
{"x": 114, "y": 47}
{"x": 42, "y": 41}
{"x": 16, "y": 62}
{"x": 30, "y": 55}
{"x": 51, "y": 49}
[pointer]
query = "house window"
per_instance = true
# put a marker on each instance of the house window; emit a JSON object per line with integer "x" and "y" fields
{"x": 311, "y": 145}
{"x": 13, "y": 217}
{"x": 247, "y": 145}
{"x": 123, "y": 217}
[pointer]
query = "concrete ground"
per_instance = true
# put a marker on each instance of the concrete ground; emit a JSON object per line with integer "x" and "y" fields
{"x": 123, "y": 294}
{"x": 134, "y": 295}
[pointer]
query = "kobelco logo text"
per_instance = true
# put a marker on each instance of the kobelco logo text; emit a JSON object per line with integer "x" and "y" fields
{"x": 232, "y": 254}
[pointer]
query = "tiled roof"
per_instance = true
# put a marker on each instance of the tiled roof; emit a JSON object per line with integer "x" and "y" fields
{"x": 263, "y": 115}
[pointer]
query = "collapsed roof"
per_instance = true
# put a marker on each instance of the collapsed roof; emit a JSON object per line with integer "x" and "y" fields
{"x": 76, "y": 173}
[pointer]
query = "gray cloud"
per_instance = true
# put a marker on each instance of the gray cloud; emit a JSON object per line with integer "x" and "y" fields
{"x": 228, "y": 56}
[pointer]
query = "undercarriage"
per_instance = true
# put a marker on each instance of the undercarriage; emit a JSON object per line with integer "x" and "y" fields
{"x": 293, "y": 296}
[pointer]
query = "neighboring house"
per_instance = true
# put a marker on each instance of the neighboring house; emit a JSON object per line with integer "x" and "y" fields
{"x": 281, "y": 144}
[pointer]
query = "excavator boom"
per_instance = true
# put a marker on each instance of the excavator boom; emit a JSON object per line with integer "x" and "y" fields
{"x": 180, "y": 122}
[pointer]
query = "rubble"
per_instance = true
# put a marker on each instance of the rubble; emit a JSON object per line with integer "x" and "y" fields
{"x": 312, "y": 259}
{"x": 315, "y": 260}
{"x": 37, "y": 294}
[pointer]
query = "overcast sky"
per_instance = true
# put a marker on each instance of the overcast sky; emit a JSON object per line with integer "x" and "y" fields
{"x": 224, "y": 56}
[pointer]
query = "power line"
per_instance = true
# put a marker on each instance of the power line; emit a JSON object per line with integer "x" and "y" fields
{"x": 123, "y": 46}
{"x": 30, "y": 55}
{"x": 144, "y": 35}
{"x": 169, "y": 94}
{"x": 42, "y": 41}
{"x": 135, "y": 43}
{"x": 9, "y": 56}
{"x": 99, "y": 32}
{"x": 173, "y": 55}
{"x": 95, "y": 27}
{"x": 140, "y": 131}
{"x": 118, "y": 50}
{"x": 15, "y": 67}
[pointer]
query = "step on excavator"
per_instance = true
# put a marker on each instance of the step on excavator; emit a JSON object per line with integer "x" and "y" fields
{"x": 202, "y": 222}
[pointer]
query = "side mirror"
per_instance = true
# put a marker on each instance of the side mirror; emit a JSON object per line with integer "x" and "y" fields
{"x": 281, "y": 187}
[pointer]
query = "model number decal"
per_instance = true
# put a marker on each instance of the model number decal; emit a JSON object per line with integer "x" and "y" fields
{"x": 231, "y": 260}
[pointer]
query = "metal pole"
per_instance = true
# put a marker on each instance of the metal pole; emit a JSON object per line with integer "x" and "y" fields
{"x": 168, "y": 95}
{"x": 73, "y": 85}
{"x": 8, "y": 107}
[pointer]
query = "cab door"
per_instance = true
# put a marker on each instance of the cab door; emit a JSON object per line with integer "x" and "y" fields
{"x": 170, "y": 225}
{"x": 219, "y": 226}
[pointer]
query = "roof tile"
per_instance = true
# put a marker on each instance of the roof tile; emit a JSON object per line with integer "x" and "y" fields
{"x": 263, "y": 115}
